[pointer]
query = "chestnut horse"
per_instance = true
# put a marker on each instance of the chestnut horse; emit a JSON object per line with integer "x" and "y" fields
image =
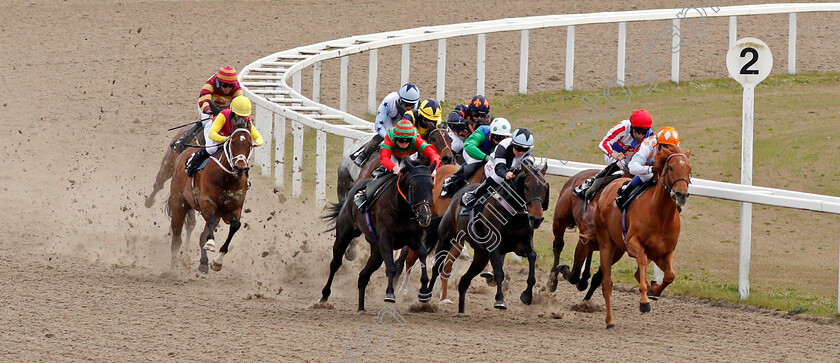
{"x": 395, "y": 219}
{"x": 502, "y": 226}
{"x": 652, "y": 226}
{"x": 217, "y": 191}
{"x": 167, "y": 166}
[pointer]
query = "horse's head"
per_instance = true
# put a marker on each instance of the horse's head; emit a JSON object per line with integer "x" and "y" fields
{"x": 531, "y": 185}
{"x": 238, "y": 150}
{"x": 440, "y": 139}
{"x": 674, "y": 171}
{"x": 418, "y": 181}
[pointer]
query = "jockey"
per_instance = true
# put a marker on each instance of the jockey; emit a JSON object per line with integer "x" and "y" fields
{"x": 478, "y": 111}
{"x": 392, "y": 109}
{"x": 459, "y": 130}
{"x": 401, "y": 142}
{"x": 217, "y": 132}
{"x": 508, "y": 156}
{"x": 641, "y": 163}
{"x": 425, "y": 117}
{"x": 215, "y": 96}
{"x": 620, "y": 143}
{"x": 477, "y": 150}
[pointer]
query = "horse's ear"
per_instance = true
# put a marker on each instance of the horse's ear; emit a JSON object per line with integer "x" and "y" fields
{"x": 688, "y": 153}
{"x": 544, "y": 168}
{"x": 433, "y": 166}
{"x": 410, "y": 166}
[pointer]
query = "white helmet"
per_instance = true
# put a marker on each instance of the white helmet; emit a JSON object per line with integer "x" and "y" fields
{"x": 500, "y": 126}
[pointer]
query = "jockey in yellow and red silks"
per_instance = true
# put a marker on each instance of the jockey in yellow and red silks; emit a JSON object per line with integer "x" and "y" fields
{"x": 216, "y": 95}
{"x": 222, "y": 127}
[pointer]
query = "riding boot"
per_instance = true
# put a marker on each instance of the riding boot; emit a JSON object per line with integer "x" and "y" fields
{"x": 361, "y": 155}
{"x": 453, "y": 183}
{"x": 360, "y": 200}
{"x": 178, "y": 145}
{"x": 379, "y": 171}
{"x": 470, "y": 197}
{"x": 195, "y": 161}
{"x": 596, "y": 181}
{"x": 623, "y": 194}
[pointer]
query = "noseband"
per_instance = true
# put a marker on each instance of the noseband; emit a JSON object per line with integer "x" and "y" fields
{"x": 669, "y": 188}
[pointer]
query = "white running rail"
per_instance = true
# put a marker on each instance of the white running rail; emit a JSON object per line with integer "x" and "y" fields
{"x": 266, "y": 83}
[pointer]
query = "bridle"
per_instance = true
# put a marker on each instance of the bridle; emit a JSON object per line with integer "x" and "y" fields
{"x": 442, "y": 137}
{"x": 425, "y": 204}
{"x": 232, "y": 159}
{"x": 522, "y": 192}
{"x": 669, "y": 188}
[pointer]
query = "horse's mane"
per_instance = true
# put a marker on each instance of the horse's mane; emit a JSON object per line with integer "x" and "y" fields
{"x": 665, "y": 150}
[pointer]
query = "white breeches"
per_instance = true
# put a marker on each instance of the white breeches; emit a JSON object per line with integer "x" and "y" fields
{"x": 210, "y": 145}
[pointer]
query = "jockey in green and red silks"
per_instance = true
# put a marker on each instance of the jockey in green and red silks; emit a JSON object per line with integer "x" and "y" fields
{"x": 402, "y": 141}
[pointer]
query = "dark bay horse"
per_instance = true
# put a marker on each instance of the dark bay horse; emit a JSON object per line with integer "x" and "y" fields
{"x": 439, "y": 206}
{"x": 394, "y": 220}
{"x": 217, "y": 191}
{"x": 501, "y": 227}
{"x": 653, "y": 226}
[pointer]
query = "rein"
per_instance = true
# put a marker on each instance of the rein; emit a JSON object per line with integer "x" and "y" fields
{"x": 407, "y": 199}
{"x": 442, "y": 137}
{"x": 231, "y": 159}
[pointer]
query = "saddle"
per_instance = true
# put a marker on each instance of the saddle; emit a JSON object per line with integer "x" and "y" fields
{"x": 634, "y": 193}
{"x": 374, "y": 188}
{"x": 581, "y": 190}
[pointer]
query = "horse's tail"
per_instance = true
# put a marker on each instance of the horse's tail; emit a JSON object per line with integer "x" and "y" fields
{"x": 333, "y": 210}
{"x": 167, "y": 209}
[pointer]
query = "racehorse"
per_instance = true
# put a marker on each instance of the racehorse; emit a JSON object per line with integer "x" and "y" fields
{"x": 518, "y": 208}
{"x": 568, "y": 213}
{"x": 216, "y": 192}
{"x": 437, "y": 137}
{"x": 396, "y": 218}
{"x": 349, "y": 173}
{"x": 439, "y": 206}
{"x": 167, "y": 167}
{"x": 652, "y": 226}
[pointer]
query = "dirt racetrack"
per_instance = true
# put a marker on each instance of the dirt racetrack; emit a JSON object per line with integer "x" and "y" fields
{"x": 92, "y": 85}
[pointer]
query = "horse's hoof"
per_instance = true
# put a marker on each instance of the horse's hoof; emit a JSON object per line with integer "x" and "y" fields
{"x": 149, "y": 202}
{"x": 202, "y": 269}
{"x": 491, "y": 281}
{"x": 500, "y": 304}
{"x": 424, "y": 298}
{"x": 525, "y": 298}
{"x": 552, "y": 282}
{"x": 350, "y": 253}
{"x": 610, "y": 326}
{"x": 216, "y": 267}
{"x": 446, "y": 302}
{"x": 644, "y": 307}
{"x": 323, "y": 300}
{"x": 582, "y": 285}
{"x": 487, "y": 274}
{"x": 652, "y": 296}
{"x": 390, "y": 298}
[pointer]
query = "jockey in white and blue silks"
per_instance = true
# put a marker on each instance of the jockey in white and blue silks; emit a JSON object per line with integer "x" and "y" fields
{"x": 390, "y": 111}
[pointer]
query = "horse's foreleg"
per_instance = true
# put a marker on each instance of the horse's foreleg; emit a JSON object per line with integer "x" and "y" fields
{"x": 558, "y": 244}
{"x": 606, "y": 283}
{"x": 405, "y": 254}
{"x": 206, "y": 242}
{"x": 446, "y": 275}
{"x": 587, "y": 266}
{"x": 667, "y": 264}
{"x": 176, "y": 224}
{"x": 425, "y": 293}
{"x": 532, "y": 278}
{"x": 499, "y": 276}
{"x": 635, "y": 249}
{"x": 217, "y": 261}
{"x": 478, "y": 263}
{"x": 390, "y": 270}
{"x": 373, "y": 263}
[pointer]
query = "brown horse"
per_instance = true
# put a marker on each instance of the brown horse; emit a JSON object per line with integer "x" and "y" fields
{"x": 395, "y": 219}
{"x": 504, "y": 225}
{"x": 439, "y": 206}
{"x": 167, "y": 167}
{"x": 216, "y": 192}
{"x": 568, "y": 213}
{"x": 652, "y": 226}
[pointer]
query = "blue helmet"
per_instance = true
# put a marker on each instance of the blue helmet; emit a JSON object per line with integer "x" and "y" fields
{"x": 456, "y": 122}
{"x": 409, "y": 94}
{"x": 479, "y": 106}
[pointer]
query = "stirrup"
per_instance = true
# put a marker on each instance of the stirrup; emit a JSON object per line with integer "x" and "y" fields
{"x": 468, "y": 199}
{"x": 359, "y": 200}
